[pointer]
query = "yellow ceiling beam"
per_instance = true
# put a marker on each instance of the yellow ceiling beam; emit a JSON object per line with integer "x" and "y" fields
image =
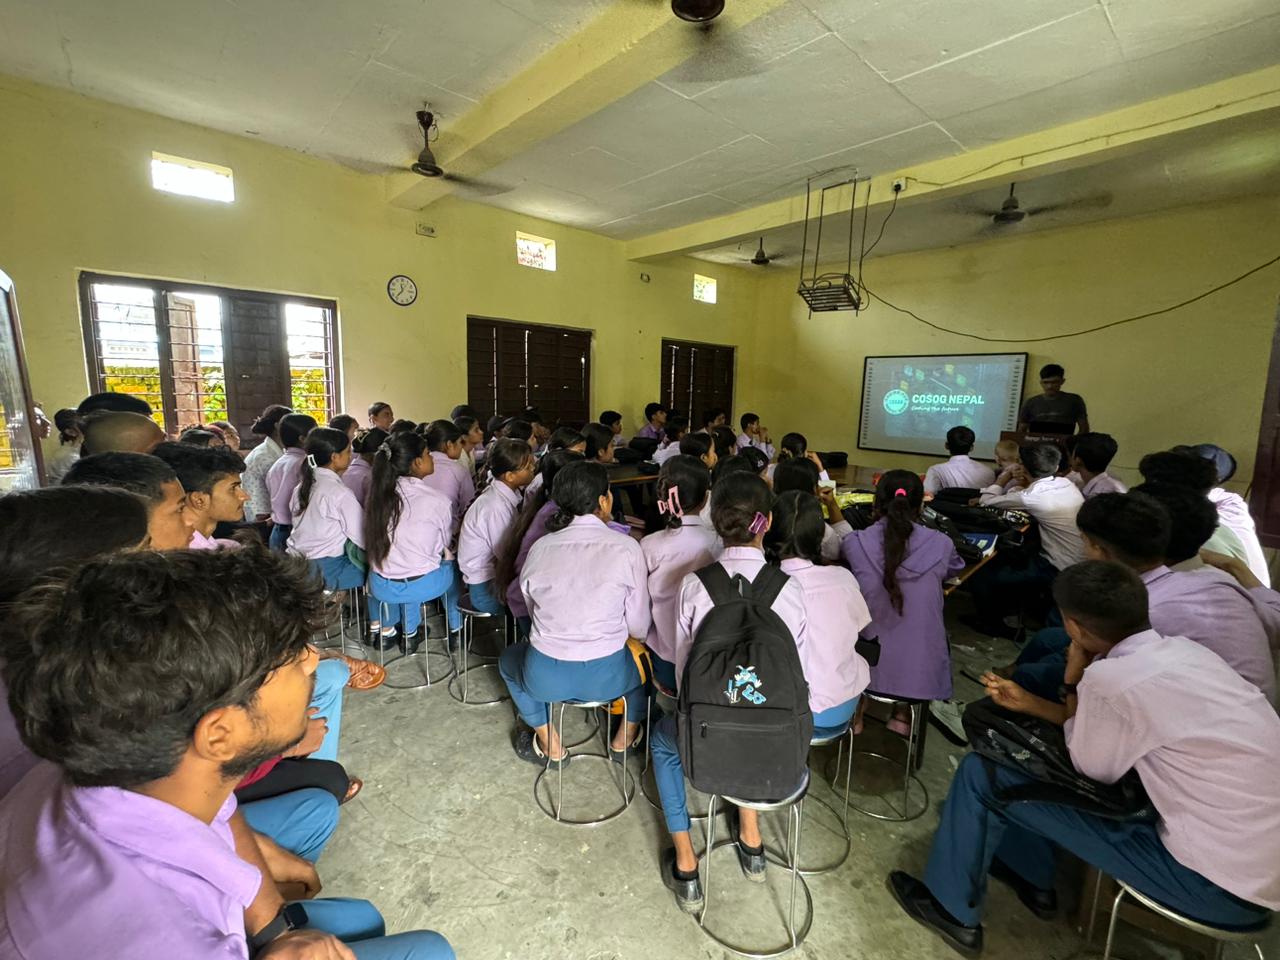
{"x": 1082, "y": 143}
{"x": 627, "y": 46}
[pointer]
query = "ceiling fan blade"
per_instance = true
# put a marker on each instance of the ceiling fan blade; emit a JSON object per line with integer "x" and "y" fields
{"x": 481, "y": 187}
{"x": 1099, "y": 201}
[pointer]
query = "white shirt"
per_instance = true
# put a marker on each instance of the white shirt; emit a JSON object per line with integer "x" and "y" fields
{"x": 1054, "y": 502}
{"x": 960, "y": 471}
{"x": 1233, "y": 513}
{"x": 669, "y": 555}
{"x": 254, "y": 478}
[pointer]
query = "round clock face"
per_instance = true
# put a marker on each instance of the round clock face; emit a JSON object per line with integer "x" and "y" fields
{"x": 402, "y": 290}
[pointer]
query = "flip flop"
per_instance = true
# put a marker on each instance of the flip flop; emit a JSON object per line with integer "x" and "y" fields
{"x": 354, "y": 786}
{"x": 365, "y": 674}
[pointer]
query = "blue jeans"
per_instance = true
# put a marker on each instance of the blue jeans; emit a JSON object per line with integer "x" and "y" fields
{"x": 338, "y": 572}
{"x": 1042, "y": 664}
{"x": 331, "y": 681}
{"x": 832, "y": 721}
{"x": 302, "y": 821}
{"x": 279, "y": 539}
{"x": 410, "y": 595}
{"x": 484, "y": 599}
{"x": 995, "y": 585}
{"x": 359, "y": 924}
{"x": 664, "y": 671}
{"x": 976, "y": 828}
{"x": 536, "y": 680}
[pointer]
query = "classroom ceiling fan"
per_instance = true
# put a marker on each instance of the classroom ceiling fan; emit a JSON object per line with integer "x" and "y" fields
{"x": 1011, "y": 211}
{"x": 427, "y": 166}
{"x": 716, "y": 55}
{"x": 762, "y": 259}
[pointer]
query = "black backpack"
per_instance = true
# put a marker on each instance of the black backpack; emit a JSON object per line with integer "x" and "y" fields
{"x": 743, "y": 723}
{"x": 1038, "y": 749}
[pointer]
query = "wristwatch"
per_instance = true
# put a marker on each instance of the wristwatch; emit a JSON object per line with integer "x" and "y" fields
{"x": 291, "y": 917}
{"x": 1067, "y": 690}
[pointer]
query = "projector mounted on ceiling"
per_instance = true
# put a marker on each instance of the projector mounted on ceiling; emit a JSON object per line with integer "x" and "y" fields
{"x": 697, "y": 11}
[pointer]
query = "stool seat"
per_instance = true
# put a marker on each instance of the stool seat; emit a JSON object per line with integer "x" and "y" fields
{"x": 915, "y": 742}
{"x": 422, "y": 657}
{"x": 621, "y": 773}
{"x": 460, "y": 680}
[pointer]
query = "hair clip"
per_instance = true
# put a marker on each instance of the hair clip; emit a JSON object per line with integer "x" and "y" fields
{"x": 900, "y": 492}
{"x": 384, "y": 450}
{"x": 311, "y": 460}
{"x": 672, "y": 504}
{"x": 759, "y": 524}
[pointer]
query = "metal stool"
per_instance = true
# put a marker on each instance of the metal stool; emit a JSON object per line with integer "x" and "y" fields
{"x": 623, "y": 778}
{"x": 915, "y": 740}
{"x": 460, "y": 680}
{"x": 355, "y": 597}
{"x": 422, "y": 657}
{"x": 666, "y": 701}
{"x": 842, "y": 817}
{"x": 1221, "y": 937}
{"x": 794, "y": 805}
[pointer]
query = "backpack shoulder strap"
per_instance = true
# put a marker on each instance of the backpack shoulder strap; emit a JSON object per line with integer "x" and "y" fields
{"x": 768, "y": 584}
{"x": 719, "y": 586}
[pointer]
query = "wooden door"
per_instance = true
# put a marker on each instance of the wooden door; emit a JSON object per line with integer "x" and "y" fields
{"x": 1264, "y": 501}
{"x": 254, "y": 348}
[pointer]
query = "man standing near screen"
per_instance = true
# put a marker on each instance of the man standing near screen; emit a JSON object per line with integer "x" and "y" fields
{"x": 1054, "y": 410}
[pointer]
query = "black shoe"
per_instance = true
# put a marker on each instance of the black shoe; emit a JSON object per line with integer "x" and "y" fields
{"x": 409, "y": 645}
{"x": 914, "y": 897}
{"x": 688, "y": 892}
{"x": 989, "y": 628}
{"x": 454, "y": 642}
{"x": 752, "y": 863}
{"x": 1043, "y": 903}
{"x": 527, "y": 749}
{"x": 382, "y": 641}
{"x": 635, "y": 750}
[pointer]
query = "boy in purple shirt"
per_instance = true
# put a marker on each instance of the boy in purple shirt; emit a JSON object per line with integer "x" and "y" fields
{"x": 1090, "y": 457}
{"x": 656, "y": 416}
{"x": 131, "y": 827}
{"x": 1204, "y": 742}
{"x": 210, "y": 476}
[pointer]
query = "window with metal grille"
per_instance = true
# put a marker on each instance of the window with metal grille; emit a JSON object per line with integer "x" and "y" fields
{"x": 513, "y": 366}
{"x": 198, "y": 353}
{"x": 697, "y": 377}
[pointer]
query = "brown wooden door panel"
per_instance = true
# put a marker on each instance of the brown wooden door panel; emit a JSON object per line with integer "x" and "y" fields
{"x": 1264, "y": 501}
{"x": 255, "y": 350}
{"x": 696, "y": 377}
{"x": 511, "y": 366}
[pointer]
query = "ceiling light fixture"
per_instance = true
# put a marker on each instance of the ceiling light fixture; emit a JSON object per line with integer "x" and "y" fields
{"x": 697, "y": 11}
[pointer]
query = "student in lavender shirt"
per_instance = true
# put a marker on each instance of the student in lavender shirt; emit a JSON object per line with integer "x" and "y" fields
{"x": 613, "y": 420}
{"x": 1206, "y": 606}
{"x": 327, "y": 517}
{"x": 131, "y": 826}
{"x": 961, "y": 470}
{"x": 796, "y": 446}
{"x": 381, "y": 415}
{"x": 1089, "y": 459}
{"x": 655, "y": 415}
{"x": 211, "y": 479}
{"x": 801, "y": 474}
{"x": 901, "y": 566}
{"x": 408, "y": 527}
{"x": 1183, "y": 467}
{"x": 585, "y": 585}
{"x": 472, "y": 440}
{"x": 1204, "y": 742}
{"x": 672, "y": 434}
{"x": 510, "y": 466}
{"x": 754, "y": 435}
{"x": 741, "y": 512}
{"x": 450, "y": 478}
{"x": 283, "y": 477}
{"x": 1233, "y": 512}
{"x": 259, "y": 460}
{"x": 529, "y": 527}
{"x": 687, "y": 543}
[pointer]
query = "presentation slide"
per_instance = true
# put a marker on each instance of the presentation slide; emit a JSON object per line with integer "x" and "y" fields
{"x": 909, "y": 403}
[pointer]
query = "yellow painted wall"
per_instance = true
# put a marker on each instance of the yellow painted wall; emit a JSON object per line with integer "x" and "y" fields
{"x": 76, "y": 195}
{"x": 1193, "y": 376}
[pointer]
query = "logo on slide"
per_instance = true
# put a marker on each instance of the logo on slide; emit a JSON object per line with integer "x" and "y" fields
{"x": 896, "y": 402}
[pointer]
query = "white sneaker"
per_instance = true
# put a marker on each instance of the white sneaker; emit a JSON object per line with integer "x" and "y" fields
{"x": 945, "y": 715}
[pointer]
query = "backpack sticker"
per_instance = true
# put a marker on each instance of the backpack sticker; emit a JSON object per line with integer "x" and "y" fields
{"x": 745, "y": 684}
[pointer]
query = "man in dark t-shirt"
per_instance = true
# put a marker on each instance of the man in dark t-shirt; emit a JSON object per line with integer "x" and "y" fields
{"x": 1055, "y": 406}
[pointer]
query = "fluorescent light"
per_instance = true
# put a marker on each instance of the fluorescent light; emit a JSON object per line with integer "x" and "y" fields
{"x": 192, "y": 178}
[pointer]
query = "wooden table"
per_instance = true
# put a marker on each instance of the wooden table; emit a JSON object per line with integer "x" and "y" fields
{"x": 629, "y": 474}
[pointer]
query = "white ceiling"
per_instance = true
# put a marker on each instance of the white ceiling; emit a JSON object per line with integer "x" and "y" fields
{"x": 1241, "y": 157}
{"x": 817, "y": 84}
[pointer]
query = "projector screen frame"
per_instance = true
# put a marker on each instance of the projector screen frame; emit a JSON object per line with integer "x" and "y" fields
{"x": 862, "y": 392}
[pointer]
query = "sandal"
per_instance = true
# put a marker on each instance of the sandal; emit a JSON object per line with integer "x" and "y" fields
{"x": 528, "y": 749}
{"x": 365, "y": 674}
{"x": 354, "y": 786}
{"x": 633, "y": 749}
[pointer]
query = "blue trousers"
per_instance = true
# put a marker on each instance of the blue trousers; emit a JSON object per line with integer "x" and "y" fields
{"x": 536, "y": 680}
{"x": 331, "y": 681}
{"x": 359, "y": 924}
{"x": 301, "y": 821}
{"x": 976, "y": 828}
{"x": 997, "y": 583}
{"x": 668, "y": 771}
{"x": 664, "y": 671}
{"x": 338, "y": 572}
{"x": 1042, "y": 664}
{"x": 410, "y": 595}
{"x": 485, "y": 599}
{"x": 279, "y": 539}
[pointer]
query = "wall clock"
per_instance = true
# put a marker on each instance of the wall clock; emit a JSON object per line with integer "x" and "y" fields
{"x": 402, "y": 290}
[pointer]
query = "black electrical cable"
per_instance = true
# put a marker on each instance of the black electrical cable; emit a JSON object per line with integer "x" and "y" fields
{"x": 1081, "y": 333}
{"x": 883, "y": 223}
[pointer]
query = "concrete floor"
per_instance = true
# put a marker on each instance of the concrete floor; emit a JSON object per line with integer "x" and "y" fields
{"x": 446, "y": 836}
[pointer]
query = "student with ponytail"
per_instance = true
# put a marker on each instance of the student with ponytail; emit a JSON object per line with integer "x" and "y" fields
{"x": 530, "y": 527}
{"x": 901, "y": 566}
{"x": 834, "y": 609}
{"x": 585, "y": 585}
{"x": 794, "y": 446}
{"x": 450, "y": 478}
{"x": 700, "y": 445}
{"x": 688, "y": 543}
{"x": 800, "y": 474}
{"x": 327, "y": 515}
{"x": 408, "y": 527}
{"x": 357, "y": 476}
{"x": 285, "y": 474}
{"x": 510, "y": 467}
